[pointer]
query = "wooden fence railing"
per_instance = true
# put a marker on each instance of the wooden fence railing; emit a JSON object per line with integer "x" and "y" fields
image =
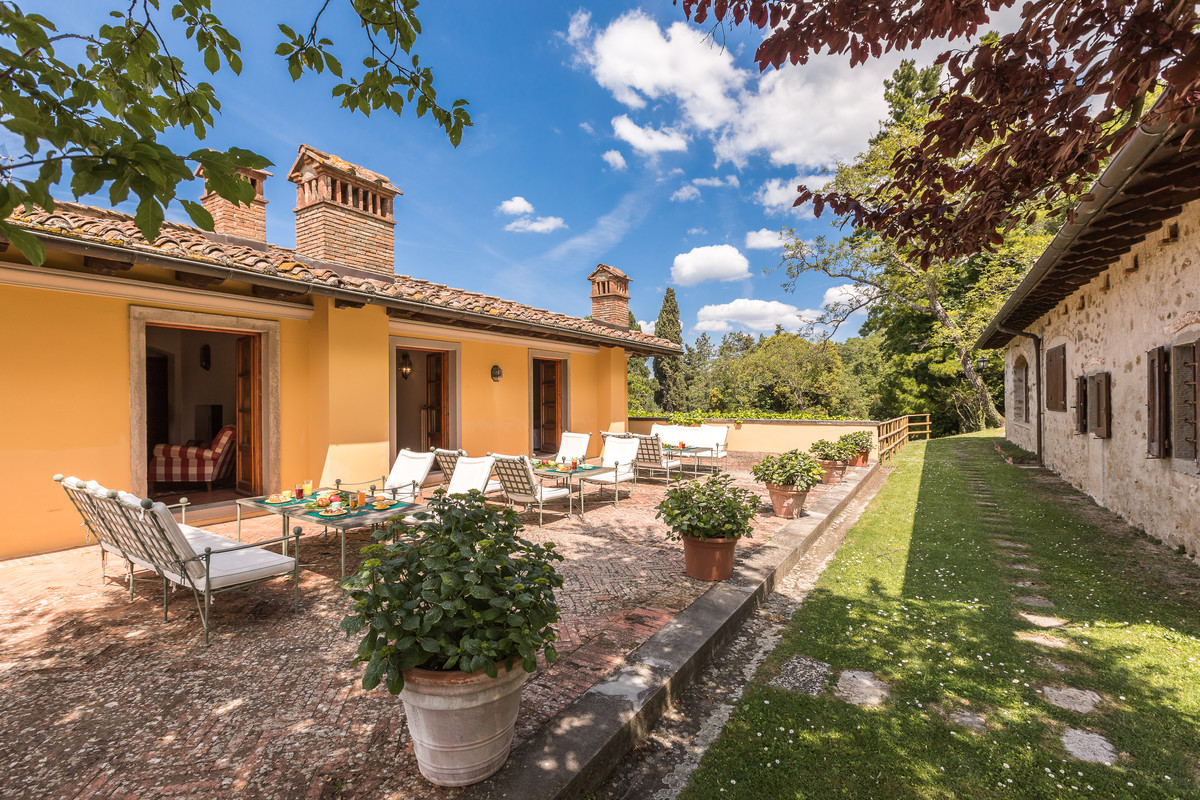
{"x": 895, "y": 433}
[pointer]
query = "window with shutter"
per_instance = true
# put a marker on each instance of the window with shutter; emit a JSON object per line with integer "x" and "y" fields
{"x": 1158, "y": 403}
{"x": 1184, "y": 428}
{"x": 1056, "y": 378}
{"x": 1020, "y": 387}
{"x": 1099, "y": 405}
{"x": 1081, "y": 404}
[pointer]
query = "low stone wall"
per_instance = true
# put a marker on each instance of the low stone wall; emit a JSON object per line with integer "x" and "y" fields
{"x": 773, "y": 435}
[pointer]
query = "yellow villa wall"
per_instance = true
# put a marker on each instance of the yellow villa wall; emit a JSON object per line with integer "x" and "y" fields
{"x": 774, "y": 436}
{"x": 66, "y": 394}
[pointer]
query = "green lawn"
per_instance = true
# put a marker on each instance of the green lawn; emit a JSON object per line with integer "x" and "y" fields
{"x": 922, "y": 595}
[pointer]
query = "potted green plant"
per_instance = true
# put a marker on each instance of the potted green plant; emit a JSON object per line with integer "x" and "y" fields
{"x": 709, "y": 516}
{"x": 788, "y": 477}
{"x": 858, "y": 443}
{"x": 833, "y": 458}
{"x": 453, "y": 615}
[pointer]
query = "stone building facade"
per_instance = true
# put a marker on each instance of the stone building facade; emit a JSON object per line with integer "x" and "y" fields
{"x": 1101, "y": 342}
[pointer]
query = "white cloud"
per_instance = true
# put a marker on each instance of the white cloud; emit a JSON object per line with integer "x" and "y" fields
{"x": 728, "y": 180}
{"x": 697, "y": 231}
{"x": 535, "y": 224}
{"x": 806, "y": 117}
{"x": 847, "y": 293}
{"x": 685, "y": 193}
{"x": 718, "y": 262}
{"x": 777, "y": 195}
{"x": 757, "y": 315}
{"x": 614, "y": 159}
{"x": 637, "y": 61}
{"x": 515, "y": 206}
{"x": 587, "y": 127}
{"x": 648, "y": 140}
{"x": 763, "y": 239}
{"x": 647, "y": 327}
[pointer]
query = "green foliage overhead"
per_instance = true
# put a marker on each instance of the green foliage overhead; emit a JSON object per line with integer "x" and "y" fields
{"x": 709, "y": 509}
{"x": 793, "y": 468}
{"x": 460, "y": 590}
{"x": 90, "y": 105}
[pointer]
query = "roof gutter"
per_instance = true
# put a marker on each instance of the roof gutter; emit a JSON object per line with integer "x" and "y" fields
{"x": 315, "y": 288}
{"x": 1125, "y": 163}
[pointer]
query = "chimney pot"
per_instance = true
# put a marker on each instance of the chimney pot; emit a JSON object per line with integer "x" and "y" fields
{"x": 249, "y": 222}
{"x": 343, "y": 212}
{"x": 610, "y": 296}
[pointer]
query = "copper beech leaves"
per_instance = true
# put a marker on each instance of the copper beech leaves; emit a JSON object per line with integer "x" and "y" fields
{"x": 1024, "y": 120}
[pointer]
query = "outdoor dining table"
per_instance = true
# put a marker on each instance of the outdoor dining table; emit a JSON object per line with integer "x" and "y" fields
{"x": 364, "y": 517}
{"x": 572, "y": 475}
{"x": 692, "y": 452}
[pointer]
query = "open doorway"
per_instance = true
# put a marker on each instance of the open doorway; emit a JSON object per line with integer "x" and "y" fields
{"x": 548, "y": 381}
{"x": 203, "y": 411}
{"x": 423, "y": 399}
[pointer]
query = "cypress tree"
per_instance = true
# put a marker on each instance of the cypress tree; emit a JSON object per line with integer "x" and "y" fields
{"x": 671, "y": 394}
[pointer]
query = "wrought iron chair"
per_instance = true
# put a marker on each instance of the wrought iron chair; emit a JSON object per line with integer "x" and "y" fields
{"x": 408, "y": 475}
{"x": 620, "y": 452}
{"x": 146, "y": 535}
{"x": 522, "y": 486}
{"x": 572, "y": 446}
{"x": 650, "y": 457}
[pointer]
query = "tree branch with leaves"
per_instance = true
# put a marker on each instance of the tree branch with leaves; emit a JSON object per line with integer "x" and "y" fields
{"x": 95, "y": 123}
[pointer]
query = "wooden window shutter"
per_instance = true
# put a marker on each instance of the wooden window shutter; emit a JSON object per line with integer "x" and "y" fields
{"x": 1056, "y": 378}
{"x": 1158, "y": 403}
{"x": 1081, "y": 404}
{"x": 1184, "y": 430}
{"x": 1103, "y": 427}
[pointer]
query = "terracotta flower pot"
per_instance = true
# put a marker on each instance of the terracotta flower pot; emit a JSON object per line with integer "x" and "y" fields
{"x": 834, "y": 470}
{"x": 861, "y": 459}
{"x": 461, "y": 723}
{"x": 787, "y": 501}
{"x": 708, "y": 559}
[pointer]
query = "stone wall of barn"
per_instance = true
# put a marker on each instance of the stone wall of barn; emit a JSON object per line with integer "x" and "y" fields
{"x": 1150, "y": 298}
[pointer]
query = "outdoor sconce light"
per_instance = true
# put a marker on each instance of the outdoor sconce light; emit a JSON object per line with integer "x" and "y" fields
{"x": 405, "y": 366}
{"x": 205, "y": 357}
{"x": 497, "y": 373}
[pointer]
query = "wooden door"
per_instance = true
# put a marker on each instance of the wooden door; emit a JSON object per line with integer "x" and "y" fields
{"x": 157, "y": 402}
{"x": 248, "y": 469}
{"x": 548, "y": 399}
{"x": 436, "y": 405}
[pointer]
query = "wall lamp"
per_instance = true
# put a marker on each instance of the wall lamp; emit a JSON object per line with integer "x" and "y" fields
{"x": 406, "y": 366}
{"x": 497, "y": 373}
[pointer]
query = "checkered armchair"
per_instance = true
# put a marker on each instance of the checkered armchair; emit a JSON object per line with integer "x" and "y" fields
{"x": 180, "y": 463}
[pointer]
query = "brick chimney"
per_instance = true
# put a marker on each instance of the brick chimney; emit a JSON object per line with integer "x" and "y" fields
{"x": 250, "y": 221}
{"x": 343, "y": 212}
{"x": 610, "y": 296}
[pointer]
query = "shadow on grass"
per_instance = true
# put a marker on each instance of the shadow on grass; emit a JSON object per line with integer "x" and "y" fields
{"x": 922, "y": 596}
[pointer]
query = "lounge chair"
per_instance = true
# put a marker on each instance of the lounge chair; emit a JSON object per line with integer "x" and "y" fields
{"x": 572, "y": 446}
{"x": 522, "y": 486}
{"x": 651, "y": 458}
{"x": 620, "y": 452}
{"x": 408, "y": 475}
{"x": 447, "y": 461}
{"x": 146, "y": 535}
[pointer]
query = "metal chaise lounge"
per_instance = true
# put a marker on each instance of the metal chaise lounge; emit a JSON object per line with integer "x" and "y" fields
{"x": 146, "y": 535}
{"x": 522, "y": 486}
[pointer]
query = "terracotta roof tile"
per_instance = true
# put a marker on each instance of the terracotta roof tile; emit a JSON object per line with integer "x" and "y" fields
{"x": 183, "y": 241}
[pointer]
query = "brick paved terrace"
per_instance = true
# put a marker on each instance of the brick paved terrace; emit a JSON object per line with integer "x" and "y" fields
{"x": 102, "y": 699}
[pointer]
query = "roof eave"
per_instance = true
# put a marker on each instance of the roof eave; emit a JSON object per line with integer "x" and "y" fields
{"x": 1124, "y": 165}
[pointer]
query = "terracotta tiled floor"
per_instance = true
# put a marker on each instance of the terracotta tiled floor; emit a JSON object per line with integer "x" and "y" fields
{"x": 102, "y": 699}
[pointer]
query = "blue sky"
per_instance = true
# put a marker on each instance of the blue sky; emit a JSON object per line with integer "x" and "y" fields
{"x": 614, "y": 133}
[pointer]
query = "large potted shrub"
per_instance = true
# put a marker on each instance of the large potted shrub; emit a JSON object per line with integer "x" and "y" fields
{"x": 709, "y": 516}
{"x": 833, "y": 458}
{"x": 453, "y": 615}
{"x": 859, "y": 444}
{"x": 788, "y": 477}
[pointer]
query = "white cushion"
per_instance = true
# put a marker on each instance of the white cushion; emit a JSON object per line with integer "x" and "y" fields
{"x": 673, "y": 463}
{"x": 623, "y": 473}
{"x": 410, "y": 467}
{"x": 96, "y": 490}
{"x": 493, "y": 486}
